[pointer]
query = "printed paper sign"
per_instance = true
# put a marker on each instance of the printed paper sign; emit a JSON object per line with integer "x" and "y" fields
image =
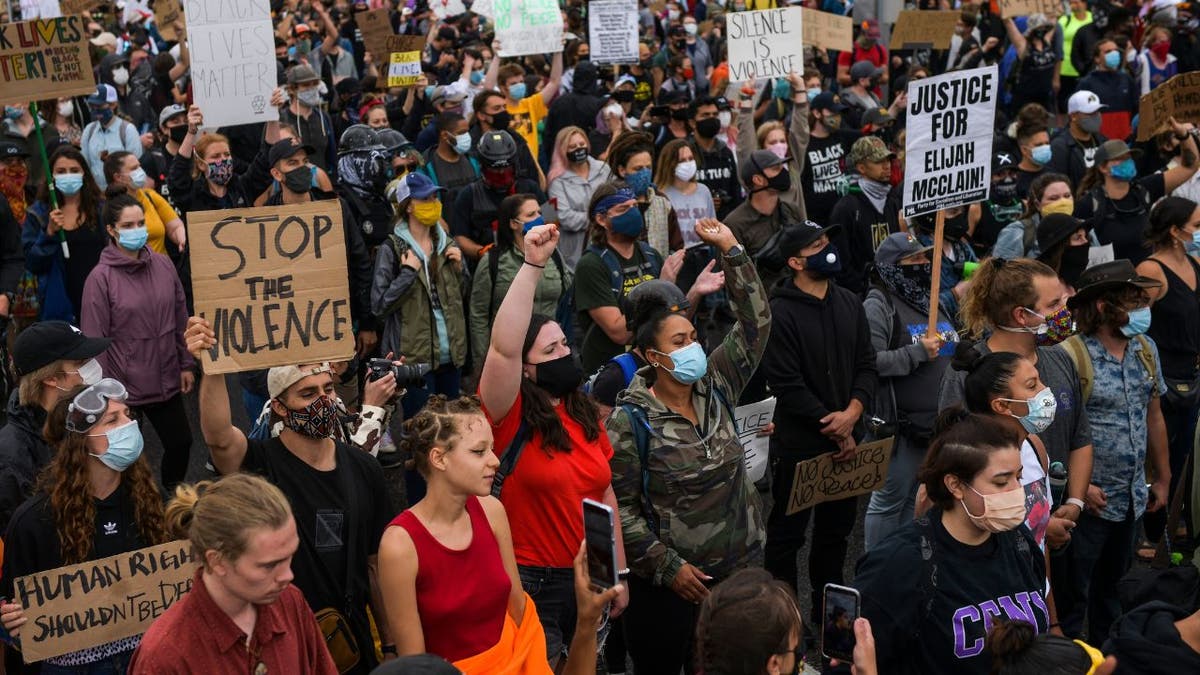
{"x": 39, "y": 9}
{"x": 1178, "y": 97}
{"x": 404, "y": 69}
{"x": 444, "y": 8}
{"x": 232, "y": 47}
{"x": 70, "y": 7}
{"x": 528, "y": 27}
{"x": 166, "y": 13}
{"x": 82, "y": 606}
{"x": 924, "y": 29}
{"x": 613, "y": 31}
{"x": 44, "y": 59}
{"x": 766, "y": 43}
{"x": 948, "y": 159}
{"x": 273, "y": 283}
{"x": 827, "y": 31}
{"x": 1014, "y": 8}
{"x": 751, "y": 419}
{"x": 821, "y": 479}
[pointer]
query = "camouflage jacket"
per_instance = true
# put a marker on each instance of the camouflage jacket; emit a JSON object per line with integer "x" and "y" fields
{"x": 707, "y": 510}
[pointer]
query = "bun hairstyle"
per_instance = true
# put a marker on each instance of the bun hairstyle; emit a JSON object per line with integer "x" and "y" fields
{"x": 1168, "y": 213}
{"x": 998, "y": 287}
{"x": 988, "y": 375}
{"x": 645, "y": 317}
{"x": 219, "y": 515}
{"x": 1017, "y": 649}
{"x": 960, "y": 448}
{"x": 436, "y": 425}
{"x": 117, "y": 201}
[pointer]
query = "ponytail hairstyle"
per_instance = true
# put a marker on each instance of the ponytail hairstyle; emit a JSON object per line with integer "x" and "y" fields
{"x": 509, "y": 208}
{"x": 597, "y": 233}
{"x": 438, "y": 424}
{"x": 960, "y": 448}
{"x": 1017, "y": 649}
{"x": 989, "y": 376}
{"x": 744, "y": 621}
{"x": 1168, "y": 214}
{"x": 539, "y": 414}
{"x": 118, "y": 199}
{"x": 219, "y": 515}
{"x": 998, "y": 287}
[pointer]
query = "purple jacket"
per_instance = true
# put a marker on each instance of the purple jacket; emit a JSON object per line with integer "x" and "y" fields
{"x": 139, "y": 304}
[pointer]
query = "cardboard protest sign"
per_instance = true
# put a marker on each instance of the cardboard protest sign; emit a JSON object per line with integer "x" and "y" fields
{"x": 828, "y": 31}
{"x": 751, "y": 419}
{"x": 81, "y": 606}
{"x": 166, "y": 13}
{"x": 821, "y": 479}
{"x": 70, "y": 7}
{"x": 528, "y": 26}
{"x": 404, "y": 69}
{"x": 1014, "y": 8}
{"x": 39, "y": 9}
{"x": 404, "y": 43}
{"x": 273, "y": 283}
{"x": 1178, "y": 97}
{"x": 613, "y": 31}
{"x": 948, "y": 158}
{"x": 376, "y": 27}
{"x": 232, "y": 47}
{"x": 765, "y": 43}
{"x": 44, "y": 59}
{"x": 444, "y": 8}
{"x": 924, "y": 29}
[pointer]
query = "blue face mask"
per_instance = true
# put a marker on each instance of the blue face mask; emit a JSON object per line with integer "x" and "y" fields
{"x": 69, "y": 183}
{"x": 1192, "y": 247}
{"x": 124, "y": 447}
{"x": 1139, "y": 322}
{"x": 690, "y": 363}
{"x": 629, "y": 223}
{"x": 462, "y": 143}
{"x": 1125, "y": 171}
{"x": 476, "y": 78}
{"x": 783, "y": 88}
{"x": 137, "y": 178}
{"x": 1112, "y": 59}
{"x": 102, "y": 115}
{"x": 517, "y": 91}
{"x": 813, "y": 93}
{"x": 526, "y": 227}
{"x": 429, "y": 93}
{"x": 639, "y": 181}
{"x": 12, "y": 112}
{"x": 134, "y": 239}
{"x": 1041, "y": 411}
{"x": 1041, "y": 154}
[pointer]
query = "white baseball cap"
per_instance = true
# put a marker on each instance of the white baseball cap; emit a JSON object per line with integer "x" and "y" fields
{"x": 1084, "y": 101}
{"x": 280, "y": 378}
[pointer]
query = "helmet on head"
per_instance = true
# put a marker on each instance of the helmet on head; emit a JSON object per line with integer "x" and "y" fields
{"x": 391, "y": 140}
{"x": 358, "y": 138}
{"x": 496, "y": 149}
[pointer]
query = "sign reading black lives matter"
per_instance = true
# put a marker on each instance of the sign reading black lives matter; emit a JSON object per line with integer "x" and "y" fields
{"x": 272, "y": 282}
{"x": 948, "y": 159}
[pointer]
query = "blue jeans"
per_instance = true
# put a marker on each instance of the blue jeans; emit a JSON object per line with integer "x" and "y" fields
{"x": 444, "y": 380}
{"x": 117, "y": 664}
{"x": 553, "y": 592}
{"x": 1100, "y": 553}
{"x": 892, "y": 506}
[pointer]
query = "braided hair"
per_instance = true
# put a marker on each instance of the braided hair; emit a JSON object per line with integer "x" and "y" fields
{"x": 437, "y": 424}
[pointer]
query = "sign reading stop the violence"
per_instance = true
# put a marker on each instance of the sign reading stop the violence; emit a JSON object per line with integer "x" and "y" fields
{"x": 272, "y": 282}
{"x": 948, "y": 159}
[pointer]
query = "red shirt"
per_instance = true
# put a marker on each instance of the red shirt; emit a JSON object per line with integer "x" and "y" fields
{"x": 877, "y": 55}
{"x": 544, "y": 494}
{"x": 196, "y": 636}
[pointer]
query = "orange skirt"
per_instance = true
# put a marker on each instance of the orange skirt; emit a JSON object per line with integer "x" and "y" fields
{"x": 521, "y": 650}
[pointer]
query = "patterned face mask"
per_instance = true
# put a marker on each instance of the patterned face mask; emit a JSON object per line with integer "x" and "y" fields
{"x": 1059, "y": 327}
{"x": 315, "y": 420}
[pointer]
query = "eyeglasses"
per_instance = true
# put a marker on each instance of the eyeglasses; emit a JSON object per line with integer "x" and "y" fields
{"x": 89, "y": 405}
{"x": 797, "y": 653}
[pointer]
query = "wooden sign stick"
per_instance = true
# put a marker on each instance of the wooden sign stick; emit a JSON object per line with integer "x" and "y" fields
{"x": 935, "y": 286}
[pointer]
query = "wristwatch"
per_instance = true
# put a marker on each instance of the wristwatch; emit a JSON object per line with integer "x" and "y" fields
{"x": 734, "y": 251}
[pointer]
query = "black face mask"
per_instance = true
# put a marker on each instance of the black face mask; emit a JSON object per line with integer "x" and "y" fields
{"x": 920, "y": 274}
{"x": 1004, "y": 191}
{"x": 623, "y": 96}
{"x": 781, "y": 182}
{"x": 680, "y": 115}
{"x": 298, "y": 180}
{"x": 501, "y": 120}
{"x": 680, "y": 45}
{"x": 956, "y": 227}
{"x": 578, "y": 155}
{"x": 708, "y": 128}
{"x": 559, "y": 377}
{"x": 178, "y": 133}
{"x": 1074, "y": 261}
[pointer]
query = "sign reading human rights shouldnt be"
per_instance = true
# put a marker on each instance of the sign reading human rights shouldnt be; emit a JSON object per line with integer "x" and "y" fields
{"x": 948, "y": 159}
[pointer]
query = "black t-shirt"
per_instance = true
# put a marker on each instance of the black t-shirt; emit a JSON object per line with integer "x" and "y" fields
{"x": 969, "y": 587}
{"x": 1122, "y": 222}
{"x": 822, "y": 178}
{"x": 325, "y": 515}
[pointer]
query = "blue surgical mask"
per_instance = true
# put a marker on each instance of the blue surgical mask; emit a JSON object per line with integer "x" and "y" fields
{"x": 517, "y": 91}
{"x": 629, "y": 223}
{"x": 1041, "y": 411}
{"x": 526, "y": 227}
{"x": 12, "y": 112}
{"x": 124, "y": 447}
{"x": 1192, "y": 247}
{"x": 476, "y": 77}
{"x": 1139, "y": 322}
{"x": 691, "y": 363}
{"x": 783, "y": 88}
{"x": 1112, "y": 59}
{"x": 1125, "y": 171}
{"x": 639, "y": 181}
{"x": 429, "y": 92}
{"x": 1041, "y": 154}
{"x": 69, "y": 183}
{"x": 137, "y": 178}
{"x": 813, "y": 93}
{"x": 133, "y": 239}
{"x": 462, "y": 143}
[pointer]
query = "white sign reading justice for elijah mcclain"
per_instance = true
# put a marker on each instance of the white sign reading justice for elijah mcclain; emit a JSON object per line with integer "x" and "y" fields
{"x": 766, "y": 43}
{"x": 232, "y": 48}
{"x": 613, "y": 31}
{"x": 949, "y": 146}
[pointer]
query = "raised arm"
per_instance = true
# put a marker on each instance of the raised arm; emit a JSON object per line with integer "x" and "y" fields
{"x": 741, "y": 351}
{"x": 551, "y": 89}
{"x": 1014, "y": 36}
{"x": 226, "y": 442}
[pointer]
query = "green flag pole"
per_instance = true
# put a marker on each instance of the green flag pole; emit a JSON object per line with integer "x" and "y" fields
{"x": 50, "y": 190}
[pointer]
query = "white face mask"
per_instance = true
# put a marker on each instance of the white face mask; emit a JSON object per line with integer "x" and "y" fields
{"x": 66, "y": 109}
{"x": 120, "y": 76}
{"x": 685, "y": 171}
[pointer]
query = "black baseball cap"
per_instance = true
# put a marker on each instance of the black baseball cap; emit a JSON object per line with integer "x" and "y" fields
{"x": 827, "y": 100}
{"x": 1106, "y": 276}
{"x": 45, "y": 342}
{"x": 795, "y": 237}
{"x": 286, "y": 148}
{"x": 10, "y": 149}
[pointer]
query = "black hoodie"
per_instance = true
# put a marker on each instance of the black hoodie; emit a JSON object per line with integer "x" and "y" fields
{"x": 1146, "y": 642}
{"x": 23, "y": 454}
{"x": 576, "y": 108}
{"x": 818, "y": 358}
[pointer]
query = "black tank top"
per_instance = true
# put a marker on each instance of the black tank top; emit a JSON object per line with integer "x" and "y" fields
{"x": 1175, "y": 324}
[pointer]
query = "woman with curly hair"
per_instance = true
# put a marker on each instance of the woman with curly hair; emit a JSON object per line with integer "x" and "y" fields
{"x": 96, "y": 498}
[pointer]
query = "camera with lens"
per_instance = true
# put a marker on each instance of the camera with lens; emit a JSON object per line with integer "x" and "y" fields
{"x": 407, "y": 375}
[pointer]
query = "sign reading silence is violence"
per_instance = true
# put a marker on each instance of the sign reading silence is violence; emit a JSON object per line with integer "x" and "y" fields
{"x": 272, "y": 281}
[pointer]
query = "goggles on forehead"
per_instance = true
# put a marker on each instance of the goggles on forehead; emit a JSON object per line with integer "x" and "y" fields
{"x": 89, "y": 405}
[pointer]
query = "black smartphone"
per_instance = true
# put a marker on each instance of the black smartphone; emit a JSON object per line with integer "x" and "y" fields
{"x": 660, "y": 111}
{"x": 842, "y": 605}
{"x": 600, "y": 537}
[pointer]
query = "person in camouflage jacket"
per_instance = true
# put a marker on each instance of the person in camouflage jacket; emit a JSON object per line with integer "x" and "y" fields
{"x": 705, "y": 519}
